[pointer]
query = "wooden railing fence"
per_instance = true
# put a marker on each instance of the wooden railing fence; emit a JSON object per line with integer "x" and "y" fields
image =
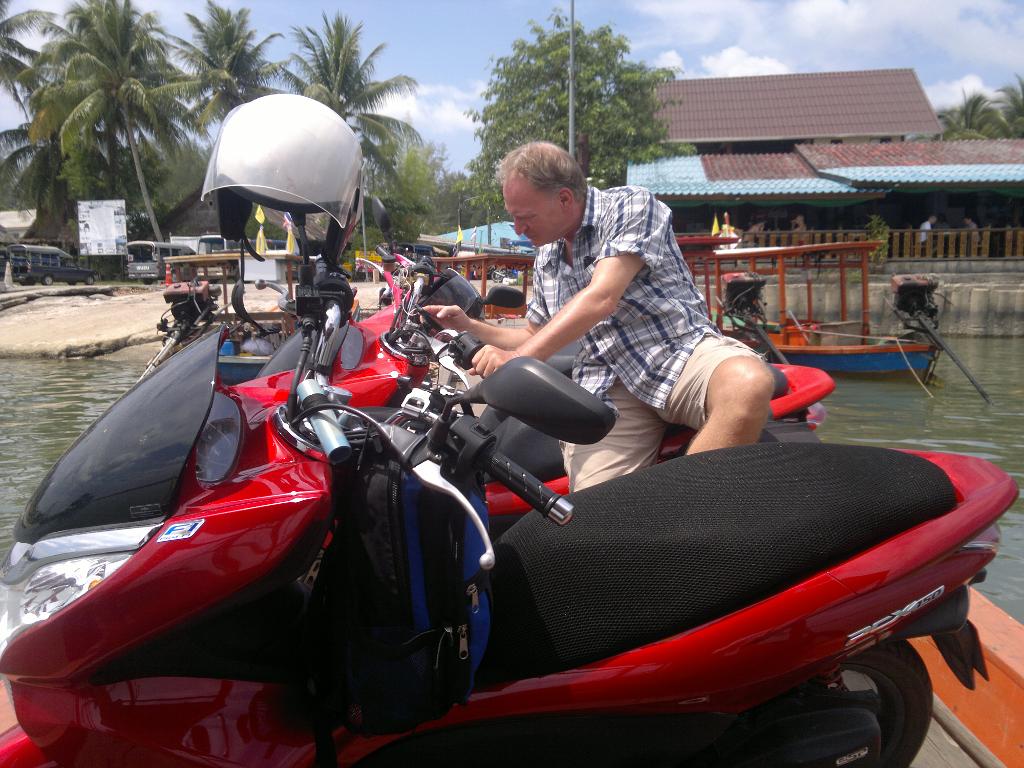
{"x": 987, "y": 242}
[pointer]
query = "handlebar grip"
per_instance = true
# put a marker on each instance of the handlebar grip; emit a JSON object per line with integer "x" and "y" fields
{"x": 552, "y": 505}
{"x": 332, "y": 437}
{"x": 463, "y": 348}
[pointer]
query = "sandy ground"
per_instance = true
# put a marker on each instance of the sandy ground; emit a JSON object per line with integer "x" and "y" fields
{"x": 84, "y": 325}
{"x": 91, "y": 321}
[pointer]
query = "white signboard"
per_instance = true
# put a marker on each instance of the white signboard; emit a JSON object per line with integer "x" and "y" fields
{"x": 101, "y": 227}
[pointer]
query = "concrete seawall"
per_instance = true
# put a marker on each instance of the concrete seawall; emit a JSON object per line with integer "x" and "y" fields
{"x": 970, "y": 305}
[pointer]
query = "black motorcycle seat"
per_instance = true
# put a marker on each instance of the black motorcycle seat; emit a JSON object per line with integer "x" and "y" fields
{"x": 668, "y": 548}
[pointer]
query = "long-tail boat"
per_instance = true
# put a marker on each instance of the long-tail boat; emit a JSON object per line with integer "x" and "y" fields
{"x": 734, "y": 281}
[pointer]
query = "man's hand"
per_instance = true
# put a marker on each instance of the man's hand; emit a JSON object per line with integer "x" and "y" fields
{"x": 449, "y": 316}
{"x": 489, "y": 359}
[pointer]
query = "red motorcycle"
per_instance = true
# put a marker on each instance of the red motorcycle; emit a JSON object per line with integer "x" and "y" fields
{"x": 745, "y": 607}
{"x": 299, "y": 570}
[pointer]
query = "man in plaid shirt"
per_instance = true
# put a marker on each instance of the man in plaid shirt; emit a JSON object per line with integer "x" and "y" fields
{"x": 610, "y": 274}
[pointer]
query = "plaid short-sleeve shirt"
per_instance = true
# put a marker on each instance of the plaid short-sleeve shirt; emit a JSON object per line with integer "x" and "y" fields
{"x": 661, "y": 316}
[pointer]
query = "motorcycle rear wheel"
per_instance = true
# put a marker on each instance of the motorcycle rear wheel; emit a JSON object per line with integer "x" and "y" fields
{"x": 896, "y": 673}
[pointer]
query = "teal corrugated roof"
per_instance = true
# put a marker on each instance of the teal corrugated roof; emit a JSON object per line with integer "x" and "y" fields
{"x": 499, "y": 230}
{"x": 932, "y": 174}
{"x": 685, "y": 176}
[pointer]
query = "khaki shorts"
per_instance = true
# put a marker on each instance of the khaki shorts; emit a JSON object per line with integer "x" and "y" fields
{"x": 635, "y": 440}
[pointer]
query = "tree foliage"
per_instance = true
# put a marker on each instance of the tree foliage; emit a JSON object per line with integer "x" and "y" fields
{"x": 1011, "y": 102}
{"x": 15, "y": 56}
{"x": 328, "y": 68}
{"x": 226, "y": 66}
{"x": 107, "y": 80}
{"x": 976, "y": 117}
{"x": 527, "y": 99}
{"x": 418, "y": 195}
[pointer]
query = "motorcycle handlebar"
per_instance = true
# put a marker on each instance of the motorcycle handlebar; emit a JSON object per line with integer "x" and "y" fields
{"x": 552, "y": 505}
{"x": 332, "y": 437}
{"x": 463, "y": 348}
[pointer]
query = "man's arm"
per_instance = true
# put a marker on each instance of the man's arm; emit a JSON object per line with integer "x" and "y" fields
{"x": 504, "y": 338}
{"x": 590, "y": 306}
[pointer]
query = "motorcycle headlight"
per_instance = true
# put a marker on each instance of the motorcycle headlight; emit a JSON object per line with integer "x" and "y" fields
{"x": 217, "y": 447}
{"x": 39, "y": 580}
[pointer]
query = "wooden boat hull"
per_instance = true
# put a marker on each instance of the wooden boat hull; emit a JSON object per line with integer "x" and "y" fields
{"x": 863, "y": 358}
{"x": 234, "y": 369}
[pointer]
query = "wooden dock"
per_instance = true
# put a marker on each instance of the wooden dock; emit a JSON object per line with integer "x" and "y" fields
{"x": 942, "y": 748}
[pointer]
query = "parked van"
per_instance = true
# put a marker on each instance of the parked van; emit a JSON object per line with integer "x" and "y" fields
{"x": 46, "y": 264}
{"x": 205, "y": 243}
{"x": 19, "y": 265}
{"x": 146, "y": 259}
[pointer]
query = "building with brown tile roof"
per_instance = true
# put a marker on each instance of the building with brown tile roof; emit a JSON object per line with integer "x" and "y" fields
{"x": 841, "y": 185}
{"x": 977, "y": 152}
{"x": 771, "y": 113}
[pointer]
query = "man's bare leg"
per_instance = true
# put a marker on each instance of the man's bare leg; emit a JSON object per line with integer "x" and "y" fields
{"x": 737, "y": 405}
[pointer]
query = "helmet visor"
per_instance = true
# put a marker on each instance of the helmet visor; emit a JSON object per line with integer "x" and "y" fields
{"x": 289, "y": 153}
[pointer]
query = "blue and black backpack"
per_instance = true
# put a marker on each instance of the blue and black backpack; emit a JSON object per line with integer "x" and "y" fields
{"x": 416, "y": 606}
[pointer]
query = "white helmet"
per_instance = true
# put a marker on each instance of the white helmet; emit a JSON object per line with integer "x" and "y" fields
{"x": 289, "y": 153}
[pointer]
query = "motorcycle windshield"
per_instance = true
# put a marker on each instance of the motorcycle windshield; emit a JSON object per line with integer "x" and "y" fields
{"x": 126, "y": 467}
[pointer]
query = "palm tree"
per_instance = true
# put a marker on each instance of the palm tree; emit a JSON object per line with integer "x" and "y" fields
{"x": 109, "y": 80}
{"x": 1011, "y": 101}
{"x": 329, "y": 70}
{"x": 14, "y": 55}
{"x": 226, "y": 65}
{"x": 976, "y": 118}
{"x": 33, "y": 168}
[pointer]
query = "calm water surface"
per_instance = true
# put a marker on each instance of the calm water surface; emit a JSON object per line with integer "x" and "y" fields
{"x": 898, "y": 414}
{"x": 44, "y": 405}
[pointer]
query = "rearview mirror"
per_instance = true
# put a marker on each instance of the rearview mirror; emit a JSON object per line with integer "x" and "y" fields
{"x": 380, "y": 216}
{"x": 506, "y": 297}
{"x": 541, "y": 397}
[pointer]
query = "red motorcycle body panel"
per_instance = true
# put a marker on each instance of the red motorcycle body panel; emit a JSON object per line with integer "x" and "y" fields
{"x": 277, "y": 506}
{"x": 720, "y": 666}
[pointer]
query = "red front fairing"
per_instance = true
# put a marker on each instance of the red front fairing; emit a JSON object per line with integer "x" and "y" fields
{"x": 373, "y": 382}
{"x": 727, "y": 665}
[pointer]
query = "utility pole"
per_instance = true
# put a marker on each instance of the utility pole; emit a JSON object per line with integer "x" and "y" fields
{"x": 572, "y": 78}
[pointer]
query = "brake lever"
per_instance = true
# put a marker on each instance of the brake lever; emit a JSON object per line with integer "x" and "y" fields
{"x": 448, "y": 363}
{"x": 429, "y": 474}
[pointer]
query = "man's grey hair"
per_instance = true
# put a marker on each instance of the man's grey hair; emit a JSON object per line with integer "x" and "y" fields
{"x": 546, "y": 166}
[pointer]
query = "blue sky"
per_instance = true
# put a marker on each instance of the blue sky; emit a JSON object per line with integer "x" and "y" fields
{"x": 448, "y": 45}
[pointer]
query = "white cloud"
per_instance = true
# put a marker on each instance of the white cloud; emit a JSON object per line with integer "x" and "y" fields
{"x": 435, "y": 109}
{"x": 736, "y": 62}
{"x": 670, "y": 60}
{"x": 830, "y": 35}
{"x": 438, "y": 112}
{"x": 950, "y": 93}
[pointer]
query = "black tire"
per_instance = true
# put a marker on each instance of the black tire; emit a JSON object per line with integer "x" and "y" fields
{"x": 148, "y": 281}
{"x": 90, "y": 280}
{"x": 897, "y": 674}
{"x": 47, "y": 280}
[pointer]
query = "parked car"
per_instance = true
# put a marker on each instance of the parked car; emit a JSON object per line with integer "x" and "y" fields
{"x": 47, "y": 265}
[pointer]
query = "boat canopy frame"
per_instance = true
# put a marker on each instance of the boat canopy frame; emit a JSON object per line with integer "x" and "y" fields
{"x": 706, "y": 263}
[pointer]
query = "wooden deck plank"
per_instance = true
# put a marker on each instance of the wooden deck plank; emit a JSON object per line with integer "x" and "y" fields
{"x": 940, "y": 751}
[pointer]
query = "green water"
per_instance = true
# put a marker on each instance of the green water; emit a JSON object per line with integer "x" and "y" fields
{"x": 45, "y": 404}
{"x": 898, "y": 414}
